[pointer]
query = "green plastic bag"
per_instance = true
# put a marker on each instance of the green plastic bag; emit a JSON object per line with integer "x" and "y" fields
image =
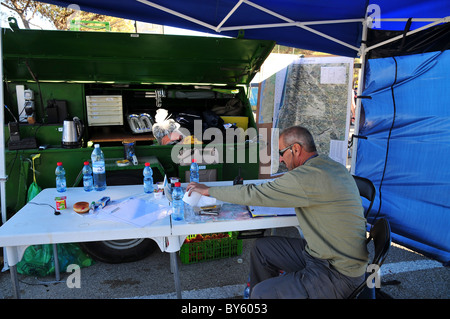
{"x": 38, "y": 260}
{"x": 34, "y": 188}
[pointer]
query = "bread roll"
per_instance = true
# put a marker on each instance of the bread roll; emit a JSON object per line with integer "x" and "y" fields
{"x": 81, "y": 207}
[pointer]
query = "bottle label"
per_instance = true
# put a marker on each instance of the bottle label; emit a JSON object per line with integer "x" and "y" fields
{"x": 98, "y": 168}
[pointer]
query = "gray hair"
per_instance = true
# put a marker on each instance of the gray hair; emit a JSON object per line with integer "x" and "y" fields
{"x": 299, "y": 134}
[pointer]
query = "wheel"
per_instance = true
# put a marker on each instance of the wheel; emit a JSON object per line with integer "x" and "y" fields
{"x": 126, "y": 250}
{"x": 120, "y": 251}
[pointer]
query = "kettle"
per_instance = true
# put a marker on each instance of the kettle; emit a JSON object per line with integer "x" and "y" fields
{"x": 73, "y": 130}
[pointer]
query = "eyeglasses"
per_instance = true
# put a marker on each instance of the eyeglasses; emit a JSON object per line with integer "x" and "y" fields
{"x": 281, "y": 152}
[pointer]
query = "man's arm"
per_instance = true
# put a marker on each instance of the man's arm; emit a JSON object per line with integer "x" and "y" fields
{"x": 197, "y": 187}
{"x": 282, "y": 192}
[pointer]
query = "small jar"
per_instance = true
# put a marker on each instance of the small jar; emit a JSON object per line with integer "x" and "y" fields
{"x": 60, "y": 203}
{"x": 159, "y": 190}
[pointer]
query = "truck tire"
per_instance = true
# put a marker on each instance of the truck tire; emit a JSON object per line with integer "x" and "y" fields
{"x": 120, "y": 251}
{"x": 126, "y": 250}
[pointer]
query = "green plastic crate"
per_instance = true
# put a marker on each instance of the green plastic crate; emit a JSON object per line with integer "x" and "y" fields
{"x": 212, "y": 247}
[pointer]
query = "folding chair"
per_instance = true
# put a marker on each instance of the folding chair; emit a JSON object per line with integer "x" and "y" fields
{"x": 366, "y": 190}
{"x": 381, "y": 236}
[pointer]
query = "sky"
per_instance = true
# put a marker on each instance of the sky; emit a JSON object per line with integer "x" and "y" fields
{"x": 39, "y": 23}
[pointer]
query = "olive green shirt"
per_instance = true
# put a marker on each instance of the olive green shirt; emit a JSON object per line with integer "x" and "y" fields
{"x": 328, "y": 208}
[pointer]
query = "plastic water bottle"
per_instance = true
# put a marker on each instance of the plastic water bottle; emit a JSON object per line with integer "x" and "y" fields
{"x": 60, "y": 178}
{"x": 88, "y": 182}
{"x": 194, "y": 177}
{"x": 98, "y": 168}
{"x": 148, "y": 178}
{"x": 247, "y": 291}
{"x": 178, "y": 204}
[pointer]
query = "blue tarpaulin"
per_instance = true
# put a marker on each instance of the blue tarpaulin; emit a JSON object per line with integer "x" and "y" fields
{"x": 407, "y": 150}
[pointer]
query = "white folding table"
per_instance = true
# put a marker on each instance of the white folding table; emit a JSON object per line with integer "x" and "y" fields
{"x": 181, "y": 229}
{"x": 196, "y": 225}
{"x": 244, "y": 221}
{"x": 37, "y": 224}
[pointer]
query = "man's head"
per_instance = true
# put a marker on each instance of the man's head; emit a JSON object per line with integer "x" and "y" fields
{"x": 296, "y": 145}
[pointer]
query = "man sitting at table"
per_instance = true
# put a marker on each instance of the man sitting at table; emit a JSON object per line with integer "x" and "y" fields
{"x": 331, "y": 260}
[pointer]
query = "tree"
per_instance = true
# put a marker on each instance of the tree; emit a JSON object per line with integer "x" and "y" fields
{"x": 281, "y": 49}
{"x": 23, "y": 8}
{"x": 60, "y": 16}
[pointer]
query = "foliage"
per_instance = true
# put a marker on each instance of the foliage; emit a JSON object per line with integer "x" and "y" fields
{"x": 281, "y": 49}
{"x": 60, "y": 17}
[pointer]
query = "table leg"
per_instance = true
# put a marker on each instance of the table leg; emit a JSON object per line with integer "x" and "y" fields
{"x": 55, "y": 257}
{"x": 15, "y": 281}
{"x": 176, "y": 274}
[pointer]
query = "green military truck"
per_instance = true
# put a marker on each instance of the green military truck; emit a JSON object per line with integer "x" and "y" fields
{"x": 108, "y": 81}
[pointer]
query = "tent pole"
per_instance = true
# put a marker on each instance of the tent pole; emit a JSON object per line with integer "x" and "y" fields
{"x": 288, "y": 24}
{"x": 178, "y": 14}
{"x": 229, "y": 15}
{"x": 3, "y": 176}
{"x": 328, "y": 37}
{"x": 363, "y": 48}
{"x": 438, "y": 21}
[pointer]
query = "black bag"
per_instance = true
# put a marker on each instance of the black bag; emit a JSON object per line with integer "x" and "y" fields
{"x": 209, "y": 120}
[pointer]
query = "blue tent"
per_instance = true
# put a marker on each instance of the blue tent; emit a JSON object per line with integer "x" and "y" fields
{"x": 403, "y": 145}
{"x": 406, "y": 148}
{"x": 333, "y": 26}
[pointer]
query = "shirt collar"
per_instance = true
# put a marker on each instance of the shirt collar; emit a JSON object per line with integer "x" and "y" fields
{"x": 312, "y": 156}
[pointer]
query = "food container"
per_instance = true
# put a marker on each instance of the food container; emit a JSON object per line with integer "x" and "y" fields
{"x": 60, "y": 203}
{"x": 173, "y": 180}
{"x": 159, "y": 192}
{"x": 128, "y": 150}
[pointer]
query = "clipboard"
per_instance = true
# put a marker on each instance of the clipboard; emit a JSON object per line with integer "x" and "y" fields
{"x": 259, "y": 211}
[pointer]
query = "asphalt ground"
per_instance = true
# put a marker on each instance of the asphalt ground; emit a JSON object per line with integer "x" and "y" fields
{"x": 405, "y": 275}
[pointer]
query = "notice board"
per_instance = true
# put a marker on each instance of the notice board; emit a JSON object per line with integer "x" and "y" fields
{"x": 312, "y": 92}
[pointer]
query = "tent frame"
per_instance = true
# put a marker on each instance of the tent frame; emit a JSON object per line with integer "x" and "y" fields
{"x": 361, "y": 51}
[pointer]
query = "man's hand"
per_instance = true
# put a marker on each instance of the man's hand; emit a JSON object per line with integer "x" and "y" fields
{"x": 199, "y": 188}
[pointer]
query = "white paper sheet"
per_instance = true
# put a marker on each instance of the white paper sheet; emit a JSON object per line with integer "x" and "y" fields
{"x": 198, "y": 200}
{"x": 135, "y": 211}
{"x": 338, "y": 151}
{"x": 333, "y": 75}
